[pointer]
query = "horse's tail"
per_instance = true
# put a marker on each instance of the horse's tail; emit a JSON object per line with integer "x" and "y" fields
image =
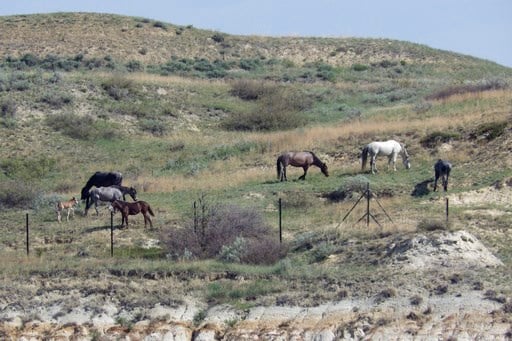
{"x": 364, "y": 157}
{"x": 279, "y": 166}
{"x": 150, "y": 211}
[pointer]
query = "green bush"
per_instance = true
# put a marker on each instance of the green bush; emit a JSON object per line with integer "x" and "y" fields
{"x": 27, "y": 168}
{"x": 82, "y": 127}
{"x": 17, "y": 194}
{"x": 8, "y": 109}
{"x": 55, "y": 99}
{"x": 490, "y": 130}
{"x": 278, "y": 110}
{"x": 359, "y": 67}
{"x": 251, "y": 89}
{"x": 118, "y": 87}
{"x": 435, "y": 138}
{"x": 153, "y": 126}
{"x": 485, "y": 85}
{"x": 432, "y": 225}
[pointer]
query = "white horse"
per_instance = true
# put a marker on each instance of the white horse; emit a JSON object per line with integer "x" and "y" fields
{"x": 390, "y": 148}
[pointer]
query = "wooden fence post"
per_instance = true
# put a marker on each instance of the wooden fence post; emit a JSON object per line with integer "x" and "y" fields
{"x": 27, "y": 232}
{"x": 280, "y": 222}
{"x": 111, "y": 234}
{"x": 447, "y": 211}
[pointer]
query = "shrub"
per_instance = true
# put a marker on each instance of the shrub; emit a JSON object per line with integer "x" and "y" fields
{"x": 278, "y": 110}
{"x": 486, "y": 85}
{"x": 359, "y": 67}
{"x": 435, "y": 138}
{"x": 218, "y": 37}
{"x": 490, "y": 130}
{"x": 160, "y": 24}
{"x": 118, "y": 87}
{"x": 228, "y": 233}
{"x": 27, "y": 168}
{"x": 82, "y": 127}
{"x": 432, "y": 225}
{"x": 55, "y": 99}
{"x": 8, "y": 109}
{"x": 153, "y": 126}
{"x": 252, "y": 90}
{"x": 134, "y": 65}
{"x": 17, "y": 194}
{"x": 250, "y": 64}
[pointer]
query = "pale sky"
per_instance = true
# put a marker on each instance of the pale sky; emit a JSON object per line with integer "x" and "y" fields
{"x": 481, "y": 29}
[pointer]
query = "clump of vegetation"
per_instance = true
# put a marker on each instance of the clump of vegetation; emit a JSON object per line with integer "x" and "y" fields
{"x": 432, "y": 225}
{"x": 118, "y": 87}
{"x": 487, "y": 85}
{"x": 436, "y": 138}
{"x": 55, "y": 99}
{"x": 27, "y": 168}
{"x": 490, "y": 130}
{"x": 153, "y": 126}
{"x": 8, "y": 110}
{"x": 227, "y": 233}
{"x": 17, "y": 194}
{"x": 281, "y": 109}
{"x": 349, "y": 186}
{"x": 359, "y": 67}
{"x": 82, "y": 127}
{"x": 251, "y": 90}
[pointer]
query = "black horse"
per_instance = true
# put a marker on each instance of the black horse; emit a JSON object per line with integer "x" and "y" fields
{"x": 127, "y": 190}
{"x": 101, "y": 179}
{"x": 442, "y": 170}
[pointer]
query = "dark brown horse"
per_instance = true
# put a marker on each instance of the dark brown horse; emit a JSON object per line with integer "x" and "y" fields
{"x": 298, "y": 159}
{"x": 133, "y": 208}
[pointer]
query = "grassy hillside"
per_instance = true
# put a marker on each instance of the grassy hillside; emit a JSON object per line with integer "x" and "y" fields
{"x": 189, "y": 115}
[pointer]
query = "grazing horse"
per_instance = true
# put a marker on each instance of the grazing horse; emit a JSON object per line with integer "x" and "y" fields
{"x": 127, "y": 190}
{"x": 100, "y": 179}
{"x": 66, "y": 205}
{"x": 105, "y": 194}
{"x": 133, "y": 208}
{"x": 298, "y": 159}
{"x": 442, "y": 170}
{"x": 390, "y": 148}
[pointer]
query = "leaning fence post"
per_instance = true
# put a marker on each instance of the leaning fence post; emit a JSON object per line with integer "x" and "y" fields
{"x": 280, "y": 222}
{"x": 27, "y": 232}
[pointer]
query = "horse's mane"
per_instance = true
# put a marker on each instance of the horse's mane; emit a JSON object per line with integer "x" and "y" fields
{"x": 315, "y": 158}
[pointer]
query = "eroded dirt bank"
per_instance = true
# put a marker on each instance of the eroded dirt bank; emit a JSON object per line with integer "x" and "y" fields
{"x": 437, "y": 292}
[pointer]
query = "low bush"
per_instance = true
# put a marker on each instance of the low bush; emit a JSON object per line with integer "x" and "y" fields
{"x": 27, "y": 168}
{"x": 118, "y": 87}
{"x": 359, "y": 67}
{"x": 8, "y": 109}
{"x": 17, "y": 194}
{"x": 251, "y": 89}
{"x": 436, "y": 138}
{"x": 281, "y": 109}
{"x": 227, "y": 233}
{"x": 432, "y": 225}
{"x": 82, "y": 127}
{"x": 56, "y": 99}
{"x": 153, "y": 126}
{"x": 486, "y": 85}
{"x": 490, "y": 130}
